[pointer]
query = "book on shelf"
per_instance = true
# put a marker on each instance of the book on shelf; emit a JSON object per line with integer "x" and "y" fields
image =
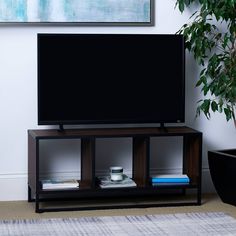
{"x": 106, "y": 182}
{"x": 60, "y": 184}
{"x": 181, "y": 178}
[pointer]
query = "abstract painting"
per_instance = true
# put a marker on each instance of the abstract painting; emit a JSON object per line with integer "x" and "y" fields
{"x": 77, "y": 11}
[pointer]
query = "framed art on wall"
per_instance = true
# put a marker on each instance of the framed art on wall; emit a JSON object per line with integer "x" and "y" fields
{"x": 79, "y": 12}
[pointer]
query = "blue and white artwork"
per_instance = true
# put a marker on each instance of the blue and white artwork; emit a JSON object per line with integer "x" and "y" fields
{"x": 84, "y": 11}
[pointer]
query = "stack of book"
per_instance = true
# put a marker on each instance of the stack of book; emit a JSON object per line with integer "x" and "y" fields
{"x": 166, "y": 180}
{"x": 106, "y": 182}
{"x": 59, "y": 184}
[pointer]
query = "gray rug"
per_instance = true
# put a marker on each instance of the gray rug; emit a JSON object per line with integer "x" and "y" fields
{"x": 177, "y": 224}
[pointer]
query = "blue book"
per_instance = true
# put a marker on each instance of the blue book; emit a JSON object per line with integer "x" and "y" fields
{"x": 170, "y": 179}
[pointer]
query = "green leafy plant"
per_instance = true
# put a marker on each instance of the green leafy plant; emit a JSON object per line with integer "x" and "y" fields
{"x": 211, "y": 37}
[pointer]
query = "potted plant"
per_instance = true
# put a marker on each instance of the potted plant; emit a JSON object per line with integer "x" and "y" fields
{"x": 211, "y": 37}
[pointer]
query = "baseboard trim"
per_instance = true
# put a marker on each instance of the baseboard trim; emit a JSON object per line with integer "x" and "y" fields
{"x": 14, "y": 187}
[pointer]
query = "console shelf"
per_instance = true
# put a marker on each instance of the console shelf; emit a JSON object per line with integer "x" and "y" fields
{"x": 192, "y": 158}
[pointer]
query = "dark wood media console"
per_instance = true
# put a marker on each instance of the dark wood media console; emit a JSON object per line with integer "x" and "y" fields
{"x": 192, "y": 161}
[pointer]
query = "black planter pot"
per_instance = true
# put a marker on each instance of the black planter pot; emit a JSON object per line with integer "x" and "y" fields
{"x": 222, "y": 166}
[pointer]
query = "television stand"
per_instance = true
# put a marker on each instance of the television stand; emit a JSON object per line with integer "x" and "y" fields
{"x": 93, "y": 194}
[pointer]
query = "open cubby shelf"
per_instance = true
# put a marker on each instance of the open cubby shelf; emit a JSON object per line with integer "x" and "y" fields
{"x": 192, "y": 158}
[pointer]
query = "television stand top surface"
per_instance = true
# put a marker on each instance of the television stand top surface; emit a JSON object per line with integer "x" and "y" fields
{"x": 112, "y": 132}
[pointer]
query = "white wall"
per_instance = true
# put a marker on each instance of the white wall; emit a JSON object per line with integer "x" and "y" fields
{"x": 18, "y": 109}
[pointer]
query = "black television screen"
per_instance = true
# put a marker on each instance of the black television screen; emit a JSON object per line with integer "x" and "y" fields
{"x": 110, "y": 78}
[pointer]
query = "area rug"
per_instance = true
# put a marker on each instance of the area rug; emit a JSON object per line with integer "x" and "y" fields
{"x": 216, "y": 223}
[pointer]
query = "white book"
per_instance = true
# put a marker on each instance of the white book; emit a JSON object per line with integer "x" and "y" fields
{"x": 171, "y": 176}
{"x": 59, "y": 187}
{"x": 60, "y": 184}
{"x": 106, "y": 182}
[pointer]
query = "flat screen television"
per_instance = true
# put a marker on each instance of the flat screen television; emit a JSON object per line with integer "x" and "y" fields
{"x": 110, "y": 79}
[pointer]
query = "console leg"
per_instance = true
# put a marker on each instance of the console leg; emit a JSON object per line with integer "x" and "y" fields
{"x": 37, "y": 209}
{"x": 199, "y": 197}
{"x": 30, "y": 194}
